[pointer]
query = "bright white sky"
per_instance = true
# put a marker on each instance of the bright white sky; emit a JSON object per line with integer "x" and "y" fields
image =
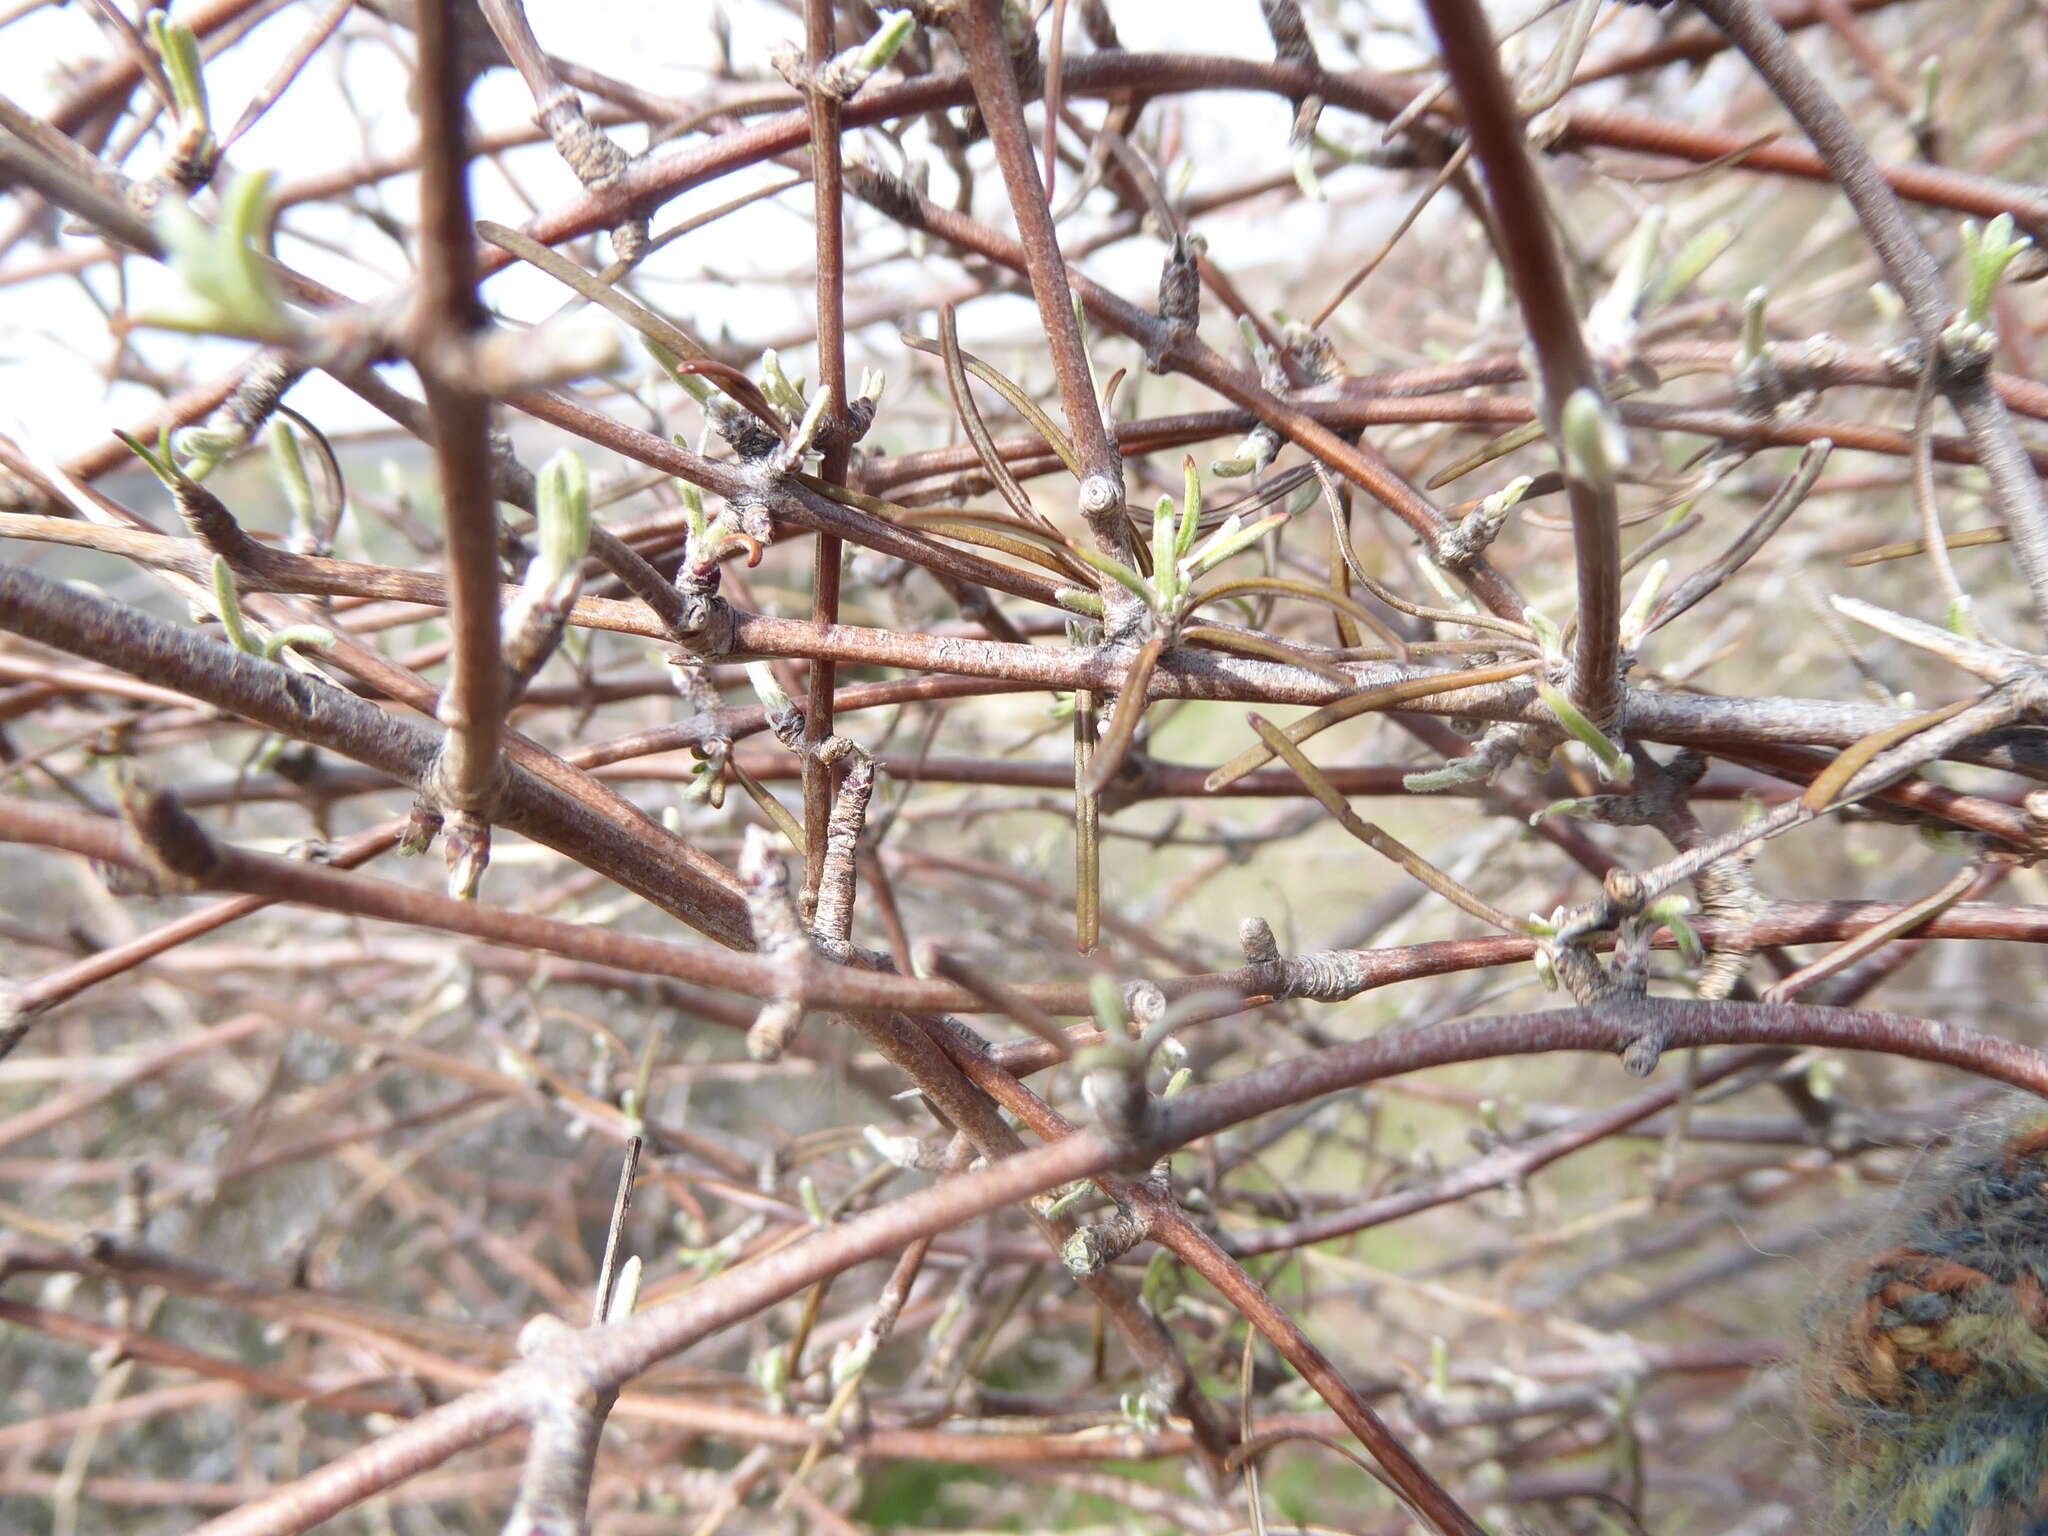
{"x": 58, "y": 394}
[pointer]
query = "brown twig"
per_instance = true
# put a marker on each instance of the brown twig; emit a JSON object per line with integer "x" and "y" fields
{"x": 1564, "y": 364}
{"x": 464, "y": 778}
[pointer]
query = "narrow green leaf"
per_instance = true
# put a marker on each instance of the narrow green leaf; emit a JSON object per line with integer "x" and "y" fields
{"x": 1611, "y": 758}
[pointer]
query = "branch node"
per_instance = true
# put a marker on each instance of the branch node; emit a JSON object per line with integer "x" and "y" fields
{"x": 779, "y": 934}
{"x": 1113, "y": 1086}
{"x": 177, "y": 853}
{"x": 1180, "y": 297}
{"x": 1094, "y": 1247}
{"x": 1255, "y": 937}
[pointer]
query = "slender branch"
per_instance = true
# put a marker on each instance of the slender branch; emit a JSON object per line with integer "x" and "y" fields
{"x": 654, "y": 180}
{"x": 1912, "y": 271}
{"x": 1166, "y": 1224}
{"x": 1696, "y": 44}
{"x": 1513, "y": 1163}
{"x": 594, "y": 158}
{"x": 638, "y": 853}
{"x": 800, "y": 506}
{"x": 615, "y": 1354}
{"x": 445, "y": 325}
{"x": 827, "y": 203}
{"x": 1564, "y": 365}
{"x": 978, "y": 26}
{"x": 1185, "y": 353}
{"x": 959, "y": 592}
{"x": 1328, "y": 976}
